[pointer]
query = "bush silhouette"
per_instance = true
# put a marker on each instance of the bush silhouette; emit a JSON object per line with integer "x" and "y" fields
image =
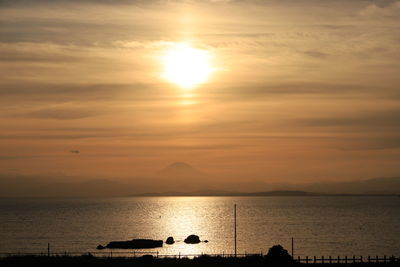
{"x": 277, "y": 254}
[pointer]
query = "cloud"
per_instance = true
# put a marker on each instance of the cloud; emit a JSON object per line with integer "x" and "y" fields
{"x": 65, "y": 92}
{"x": 28, "y": 57}
{"x": 388, "y": 9}
{"x": 365, "y": 143}
{"x": 300, "y": 88}
{"x": 19, "y": 157}
{"x": 316, "y": 54}
{"x": 379, "y": 120}
{"x": 12, "y": 170}
{"x": 69, "y": 3}
{"x": 62, "y": 113}
{"x": 302, "y": 80}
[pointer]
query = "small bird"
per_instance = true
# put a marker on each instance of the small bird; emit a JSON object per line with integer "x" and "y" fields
{"x": 75, "y": 151}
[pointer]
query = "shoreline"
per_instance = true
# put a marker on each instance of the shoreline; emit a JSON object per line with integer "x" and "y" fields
{"x": 246, "y": 195}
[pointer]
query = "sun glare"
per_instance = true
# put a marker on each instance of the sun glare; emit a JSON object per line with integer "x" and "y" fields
{"x": 187, "y": 66}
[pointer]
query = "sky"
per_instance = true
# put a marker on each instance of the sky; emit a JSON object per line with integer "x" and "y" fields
{"x": 299, "y": 91}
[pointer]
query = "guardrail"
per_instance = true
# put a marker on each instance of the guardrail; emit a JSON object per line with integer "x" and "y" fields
{"x": 346, "y": 259}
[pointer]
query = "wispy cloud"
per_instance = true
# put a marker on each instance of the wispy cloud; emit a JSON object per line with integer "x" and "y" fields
{"x": 19, "y": 157}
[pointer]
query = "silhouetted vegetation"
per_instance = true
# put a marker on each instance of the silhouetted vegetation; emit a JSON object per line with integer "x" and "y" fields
{"x": 149, "y": 260}
{"x": 277, "y": 254}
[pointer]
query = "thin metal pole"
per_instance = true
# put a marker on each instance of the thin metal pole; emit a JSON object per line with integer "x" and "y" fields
{"x": 292, "y": 248}
{"x": 234, "y": 215}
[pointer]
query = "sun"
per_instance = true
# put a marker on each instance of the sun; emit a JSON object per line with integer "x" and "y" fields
{"x": 186, "y": 66}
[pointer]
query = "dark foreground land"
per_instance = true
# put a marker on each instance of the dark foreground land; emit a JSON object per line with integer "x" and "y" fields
{"x": 88, "y": 260}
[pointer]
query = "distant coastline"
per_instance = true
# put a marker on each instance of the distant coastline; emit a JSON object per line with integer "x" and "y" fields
{"x": 275, "y": 193}
{"x": 186, "y": 185}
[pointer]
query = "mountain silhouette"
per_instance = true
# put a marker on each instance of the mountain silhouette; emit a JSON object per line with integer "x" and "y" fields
{"x": 181, "y": 175}
{"x": 181, "y": 179}
{"x": 180, "y": 170}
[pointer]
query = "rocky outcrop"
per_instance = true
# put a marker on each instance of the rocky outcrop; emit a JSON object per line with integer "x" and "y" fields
{"x": 192, "y": 239}
{"x": 170, "y": 240}
{"x": 133, "y": 244}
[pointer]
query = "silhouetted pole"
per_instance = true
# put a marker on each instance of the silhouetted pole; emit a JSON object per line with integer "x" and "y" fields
{"x": 292, "y": 248}
{"x": 48, "y": 249}
{"x": 234, "y": 216}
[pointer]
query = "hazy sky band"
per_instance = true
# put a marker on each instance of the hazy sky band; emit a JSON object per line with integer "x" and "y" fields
{"x": 304, "y": 90}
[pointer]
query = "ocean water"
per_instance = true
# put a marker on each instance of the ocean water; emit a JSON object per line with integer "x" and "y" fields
{"x": 319, "y": 225}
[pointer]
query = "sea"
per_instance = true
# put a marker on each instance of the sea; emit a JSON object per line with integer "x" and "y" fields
{"x": 319, "y": 225}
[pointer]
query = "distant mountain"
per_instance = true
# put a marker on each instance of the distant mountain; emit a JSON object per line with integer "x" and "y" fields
{"x": 180, "y": 175}
{"x": 90, "y": 188}
{"x": 182, "y": 179}
{"x": 229, "y": 193}
{"x": 283, "y": 193}
{"x": 375, "y": 186}
{"x": 390, "y": 185}
{"x": 19, "y": 186}
{"x": 180, "y": 169}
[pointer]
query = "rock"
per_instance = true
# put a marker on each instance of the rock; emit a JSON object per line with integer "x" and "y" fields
{"x": 100, "y": 247}
{"x": 170, "y": 240}
{"x": 135, "y": 244}
{"x": 192, "y": 239}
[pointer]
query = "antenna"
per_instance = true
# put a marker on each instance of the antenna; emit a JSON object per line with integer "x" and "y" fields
{"x": 292, "y": 248}
{"x": 234, "y": 216}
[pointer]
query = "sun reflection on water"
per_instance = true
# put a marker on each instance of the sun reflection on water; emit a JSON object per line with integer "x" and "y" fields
{"x": 184, "y": 220}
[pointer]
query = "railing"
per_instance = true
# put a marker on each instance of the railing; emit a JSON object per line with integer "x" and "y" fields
{"x": 345, "y": 260}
